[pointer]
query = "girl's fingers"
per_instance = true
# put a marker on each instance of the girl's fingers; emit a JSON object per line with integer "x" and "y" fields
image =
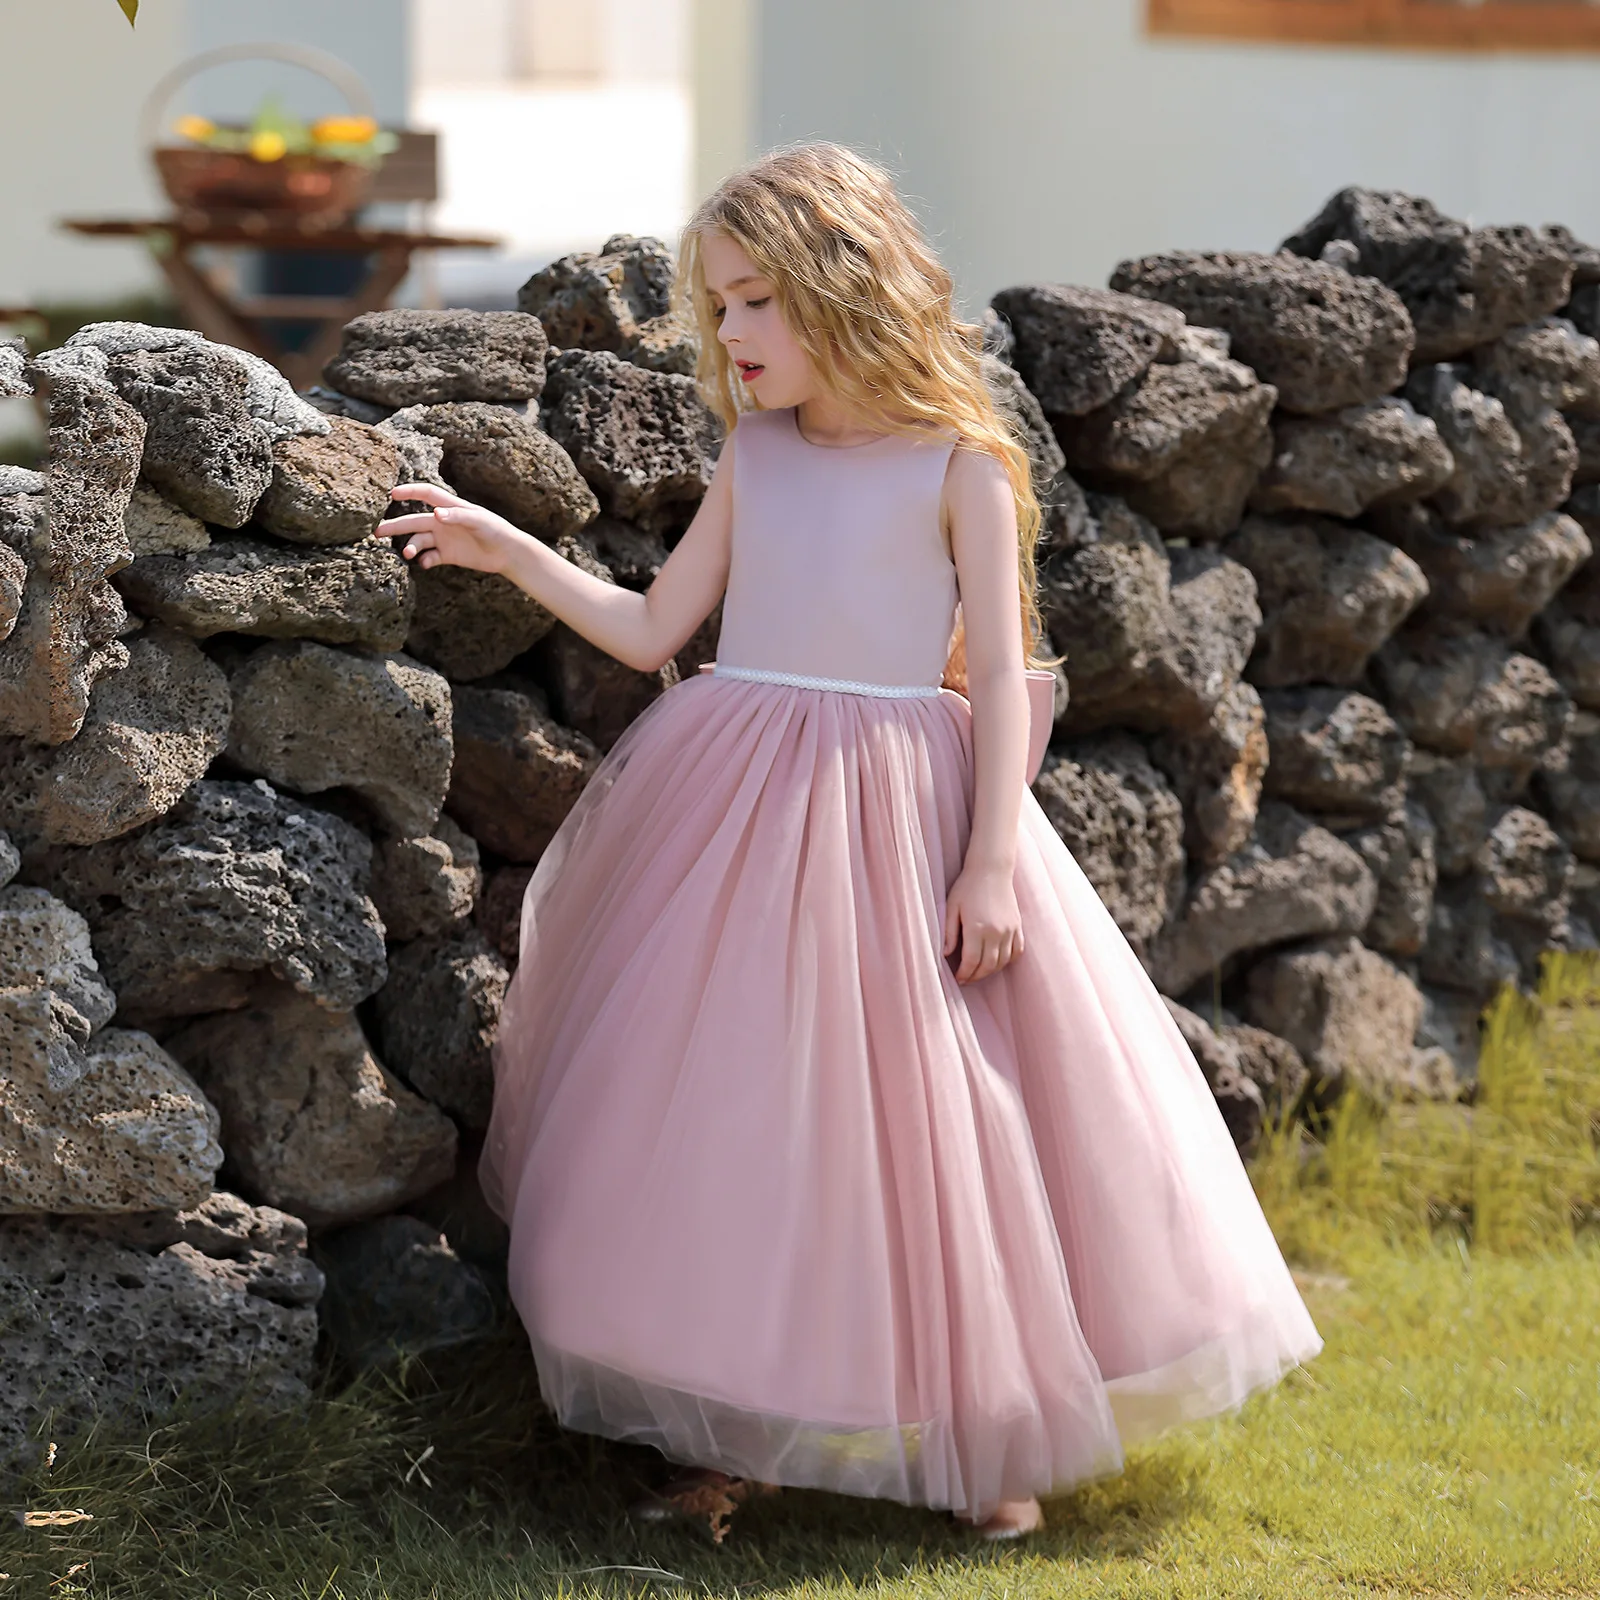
{"x": 415, "y": 522}
{"x": 430, "y": 494}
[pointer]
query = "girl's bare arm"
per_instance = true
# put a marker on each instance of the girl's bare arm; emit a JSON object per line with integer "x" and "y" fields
{"x": 642, "y": 630}
{"x": 983, "y": 536}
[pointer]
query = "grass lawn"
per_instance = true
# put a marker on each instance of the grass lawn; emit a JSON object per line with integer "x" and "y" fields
{"x": 1445, "y": 1443}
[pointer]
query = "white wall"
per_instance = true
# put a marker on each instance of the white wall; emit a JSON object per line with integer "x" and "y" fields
{"x": 74, "y": 80}
{"x": 1049, "y": 139}
{"x": 546, "y": 163}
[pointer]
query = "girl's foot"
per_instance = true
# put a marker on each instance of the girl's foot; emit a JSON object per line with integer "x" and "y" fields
{"x": 1011, "y": 1519}
{"x": 701, "y": 1496}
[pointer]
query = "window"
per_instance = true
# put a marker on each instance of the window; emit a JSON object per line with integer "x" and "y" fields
{"x": 1415, "y": 24}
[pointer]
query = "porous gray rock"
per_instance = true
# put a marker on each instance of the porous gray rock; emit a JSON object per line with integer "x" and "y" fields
{"x": 1322, "y": 338}
{"x": 1294, "y": 880}
{"x": 1461, "y": 692}
{"x": 1489, "y": 927}
{"x": 517, "y": 771}
{"x": 423, "y": 885}
{"x": 13, "y": 584}
{"x": 470, "y": 624}
{"x": 591, "y": 690}
{"x": 459, "y": 1211}
{"x": 507, "y": 462}
{"x": 1108, "y": 605}
{"x": 156, "y": 527}
{"x": 234, "y": 880}
{"x": 268, "y": 398}
{"x": 129, "y": 1131}
{"x": 1335, "y": 753}
{"x": 396, "y": 1288}
{"x": 1272, "y": 1064}
{"x": 333, "y": 404}
{"x": 498, "y": 913}
{"x": 1351, "y": 1014}
{"x": 1448, "y": 789}
{"x": 1077, "y": 348}
{"x": 359, "y": 594}
{"x": 1449, "y": 1030}
{"x": 1570, "y": 788}
{"x": 151, "y": 730}
{"x": 645, "y": 441}
{"x": 1124, "y": 826}
{"x": 1330, "y": 595}
{"x": 1566, "y": 632}
{"x": 22, "y": 539}
{"x": 1499, "y": 578}
{"x": 1526, "y": 867}
{"x": 1184, "y": 445}
{"x": 115, "y": 1319}
{"x": 1217, "y": 773}
{"x": 618, "y": 298}
{"x": 411, "y": 357}
{"x": 1382, "y": 452}
{"x": 14, "y": 384}
{"x": 1064, "y": 509}
{"x": 202, "y": 447}
{"x": 436, "y": 1019}
{"x": 1506, "y": 470}
{"x": 310, "y": 718}
{"x": 1402, "y": 852}
{"x": 1462, "y": 286}
{"x": 331, "y": 488}
{"x": 92, "y": 1118}
{"x": 1586, "y": 436}
{"x": 1238, "y": 1097}
{"x": 1541, "y": 366}
{"x": 313, "y": 1123}
{"x": 1153, "y": 640}
{"x": 65, "y": 634}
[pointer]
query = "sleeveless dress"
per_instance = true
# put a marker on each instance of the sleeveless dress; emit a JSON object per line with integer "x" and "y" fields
{"x": 787, "y": 1200}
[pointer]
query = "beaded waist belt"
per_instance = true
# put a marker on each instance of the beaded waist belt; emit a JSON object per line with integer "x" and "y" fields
{"x": 801, "y": 680}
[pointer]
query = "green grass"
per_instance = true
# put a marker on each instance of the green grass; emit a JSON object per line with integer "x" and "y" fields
{"x": 1446, "y": 1442}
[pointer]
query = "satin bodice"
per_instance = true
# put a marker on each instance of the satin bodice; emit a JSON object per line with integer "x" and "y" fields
{"x": 838, "y": 566}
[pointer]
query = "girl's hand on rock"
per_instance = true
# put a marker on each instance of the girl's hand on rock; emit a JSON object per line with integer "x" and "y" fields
{"x": 455, "y": 533}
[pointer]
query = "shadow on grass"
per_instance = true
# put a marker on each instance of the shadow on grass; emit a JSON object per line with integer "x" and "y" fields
{"x": 451, "y": 1478}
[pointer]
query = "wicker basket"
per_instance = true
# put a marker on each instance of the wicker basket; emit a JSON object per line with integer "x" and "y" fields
{"x": 311, "y": 188}
{"x": 306, "y": 188}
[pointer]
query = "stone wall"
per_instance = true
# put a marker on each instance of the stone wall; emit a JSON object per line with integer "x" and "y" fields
{"x": 1317, "y": 551}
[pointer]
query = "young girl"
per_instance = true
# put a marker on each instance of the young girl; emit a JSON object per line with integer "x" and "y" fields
{"x": 843, "y": 1139}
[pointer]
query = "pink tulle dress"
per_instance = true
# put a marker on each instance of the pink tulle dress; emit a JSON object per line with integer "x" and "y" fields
{"x": 786, "y": 1199}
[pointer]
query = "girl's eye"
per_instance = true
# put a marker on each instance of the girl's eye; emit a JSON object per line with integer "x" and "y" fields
{"x": 756, "y": 305}
{"x": 717, "y": 311}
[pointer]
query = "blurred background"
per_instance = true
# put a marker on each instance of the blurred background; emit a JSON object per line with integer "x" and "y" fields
{"x": 1040, "y": 139}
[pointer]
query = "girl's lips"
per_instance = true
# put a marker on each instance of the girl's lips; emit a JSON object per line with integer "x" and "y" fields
{"x": 748, "y": 374}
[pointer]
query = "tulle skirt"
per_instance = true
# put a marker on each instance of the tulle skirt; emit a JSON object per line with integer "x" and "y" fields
{"x": 786, "y": 1199}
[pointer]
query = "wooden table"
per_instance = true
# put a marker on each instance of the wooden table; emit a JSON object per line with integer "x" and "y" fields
{"x": 236, "y": 319}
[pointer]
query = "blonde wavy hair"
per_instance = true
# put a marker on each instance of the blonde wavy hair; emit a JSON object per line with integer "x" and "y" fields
{"x": 871, "y": 306}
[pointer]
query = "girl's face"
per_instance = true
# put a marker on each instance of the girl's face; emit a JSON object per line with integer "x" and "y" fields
{"x": 768, "y": 358}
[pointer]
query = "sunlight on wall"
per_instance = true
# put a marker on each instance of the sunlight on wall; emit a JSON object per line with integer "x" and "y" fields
{"x": 560, "y": 123}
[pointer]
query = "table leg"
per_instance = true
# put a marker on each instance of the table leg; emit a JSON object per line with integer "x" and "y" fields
{"x": 304, "y": 367}
{"x": 206, "y": 308}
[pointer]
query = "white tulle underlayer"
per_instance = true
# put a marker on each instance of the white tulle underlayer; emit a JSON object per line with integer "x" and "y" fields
{"x": 917, "y": 1463}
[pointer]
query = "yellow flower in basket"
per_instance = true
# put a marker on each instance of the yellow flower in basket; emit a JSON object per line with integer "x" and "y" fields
{"x": 344, "y": 130}
{"x": 268, "y": 145}
{"x": 200, "y": 129}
